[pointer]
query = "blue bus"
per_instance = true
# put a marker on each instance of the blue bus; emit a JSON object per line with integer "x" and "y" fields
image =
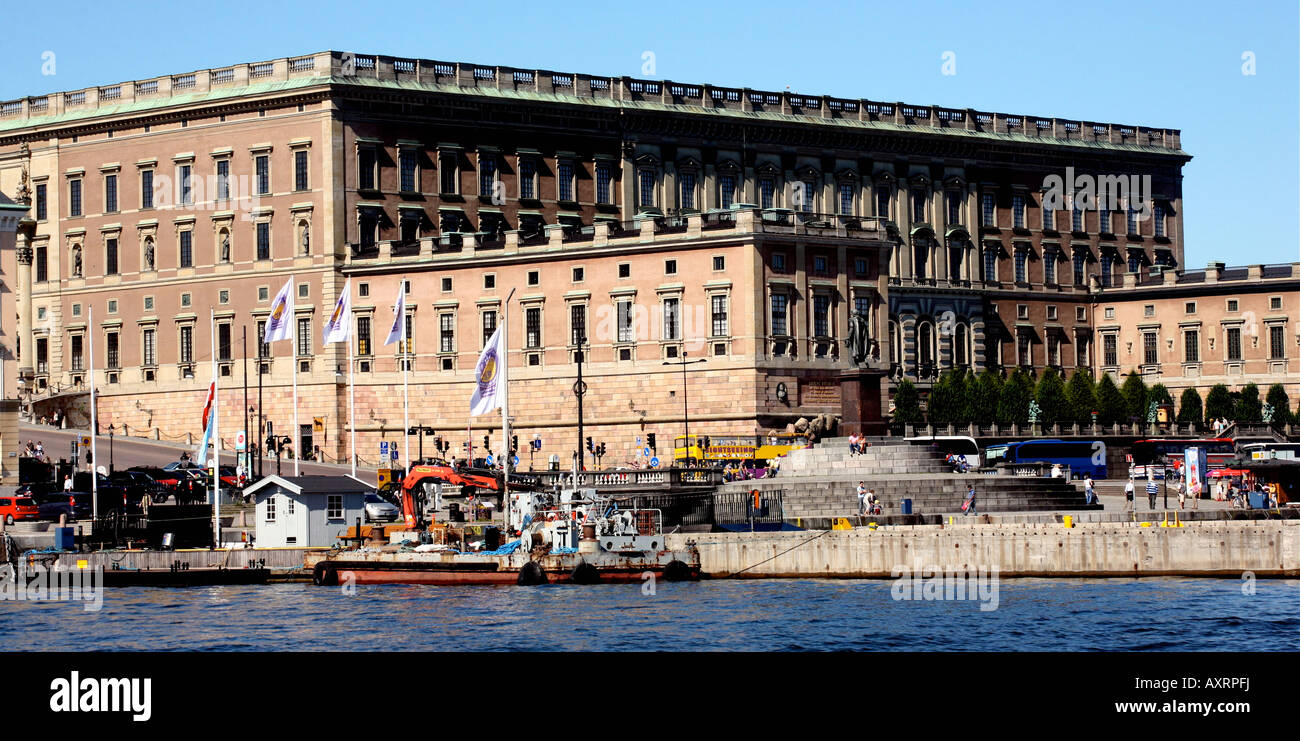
{"x": 1084, "y": 457}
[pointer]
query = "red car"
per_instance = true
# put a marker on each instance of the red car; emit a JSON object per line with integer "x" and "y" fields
{"x": 18, "y": 508}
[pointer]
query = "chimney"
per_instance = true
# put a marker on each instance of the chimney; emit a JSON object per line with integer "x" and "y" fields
{"x": 1213, "y": 271}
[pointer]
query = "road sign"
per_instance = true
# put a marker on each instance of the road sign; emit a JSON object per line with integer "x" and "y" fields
{"x": 638, "y": 440}
{"x": 1128, "y": 458}
{"x": 514, "y": 460}
{"x": 654, "y": 462}
{"x": 393, "y": 452}
{"x": 241, "y": 440}
{"x": 383, "y": 450}
{"x": 490, "y": 460}
{"x": 85, "y": 440}
{"x": 646, "y": 452}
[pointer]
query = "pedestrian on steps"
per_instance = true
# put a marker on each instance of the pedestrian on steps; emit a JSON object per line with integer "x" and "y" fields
{"x": 969, "y": 504}
{"x": 862, "y": 499}
{"x": 1089, "y": 490}
{"x": 1151, "y": 490}
{"x": 1128, "y": 495}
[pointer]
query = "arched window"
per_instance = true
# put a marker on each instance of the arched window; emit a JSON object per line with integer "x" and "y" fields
{"x": 924, "y": 347}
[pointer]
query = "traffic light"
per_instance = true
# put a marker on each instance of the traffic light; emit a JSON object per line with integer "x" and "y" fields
{"x": 706, "y": 442}
{"x": 88, "y": 460}
{"x": 437, "y": 444}
{"x": 590, "y": 447}
{"x": 487, "y": 442}
{"x": 602, "y": 450}
{"x": 270, "y": 443}
{"x": 514, "y": 444}
{"x": 650, "y": 440}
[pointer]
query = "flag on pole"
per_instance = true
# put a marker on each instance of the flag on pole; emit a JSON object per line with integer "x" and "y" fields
{"x": 488, "y": 389}
{"x": 279, "y": 325}
{"x": 398, "y": 331}
{"x": 209, "y": 421}
{"x": 336, "y": 329}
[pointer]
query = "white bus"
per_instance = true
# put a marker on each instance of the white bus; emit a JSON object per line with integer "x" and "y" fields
{"x": 958, "y": 446}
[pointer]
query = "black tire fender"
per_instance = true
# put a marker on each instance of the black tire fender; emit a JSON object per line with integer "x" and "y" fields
{"x": 325, "y": 575}
{"x": 585, "y": 573}
{"x": 532, "y": 574}
{"x": 677, "y": 571}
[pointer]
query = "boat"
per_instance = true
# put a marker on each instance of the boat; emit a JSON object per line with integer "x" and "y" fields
{"x": 572, "y": 537}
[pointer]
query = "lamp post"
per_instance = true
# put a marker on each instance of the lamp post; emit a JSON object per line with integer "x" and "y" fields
{"x": 686, "y": 410}
{"x": 580, "y": 390}
{"x": 110, "y": 450}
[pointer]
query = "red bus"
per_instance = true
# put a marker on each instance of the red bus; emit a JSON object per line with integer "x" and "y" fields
{"x": 1157, "y": 454}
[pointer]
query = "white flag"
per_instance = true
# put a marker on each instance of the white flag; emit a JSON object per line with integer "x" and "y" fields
{"x": 279, "y": 326}
{"x": 398, "y": 332}
{"x": 488, "y": 390}
{"x": 336, "y": 329}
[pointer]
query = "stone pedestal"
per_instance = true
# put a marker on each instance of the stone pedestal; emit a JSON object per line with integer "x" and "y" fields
{"x": 860, "y": 411}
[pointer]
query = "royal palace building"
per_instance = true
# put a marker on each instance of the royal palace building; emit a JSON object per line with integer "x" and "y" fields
{"x": 709, "y": 250}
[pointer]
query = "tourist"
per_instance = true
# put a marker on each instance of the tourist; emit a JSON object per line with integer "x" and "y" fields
{"x": 1151, "y": 490}
{"x": 1056, "y": 470}
{"x": 969, "y": 504}
{"x": 1089, "y": 491}
{"x": 1182, "y": 494}
{"x": 1128, "y": 495}
{"x": 854, "y": 448}
{"x": 1272, "y": 496}
{"x": 1196, "y": 495}
{"x": 67, "y": 483}
{"x": 40, "y": 450}
{"x": 873, "y": 502}
{"x": 862, "y": 499}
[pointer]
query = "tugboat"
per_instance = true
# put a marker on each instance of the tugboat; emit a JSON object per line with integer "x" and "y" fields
{"x": 574, "y": 537}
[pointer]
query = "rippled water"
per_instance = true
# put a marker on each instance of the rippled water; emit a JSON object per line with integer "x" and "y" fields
{"x": 807, "y": 614}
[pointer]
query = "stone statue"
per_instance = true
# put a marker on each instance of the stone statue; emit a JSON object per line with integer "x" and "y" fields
{"x": 225, "y": 247}
{"x": 859, "y": 341}
{"x": 76, "y": 260}
{"x": 148, "y": 254}
{"x": 306, "y": 239}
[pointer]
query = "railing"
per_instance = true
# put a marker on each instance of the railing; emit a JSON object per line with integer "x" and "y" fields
{"x": 739, "y": 508}
{"x": 657, "y": 478}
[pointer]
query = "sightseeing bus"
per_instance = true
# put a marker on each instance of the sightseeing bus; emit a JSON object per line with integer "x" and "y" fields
{"x": 735, "y": 448}
{"x": 1265, "y": 451}
{"x": 957, "y": 446}
{"x": 1152, "y": 457}
{"x": 1084, "y": 457}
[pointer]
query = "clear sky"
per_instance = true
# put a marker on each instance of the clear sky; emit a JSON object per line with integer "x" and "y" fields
{"x": 1168, "y": 64}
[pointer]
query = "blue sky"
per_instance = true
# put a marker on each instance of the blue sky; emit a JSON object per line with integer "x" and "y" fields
{"x": 1170, "y": 64}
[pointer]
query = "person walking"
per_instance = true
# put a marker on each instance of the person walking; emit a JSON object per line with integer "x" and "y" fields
{"x": 1129, "y": 504}
{"x": 862, "y": 499}
{"x": 1151, "y": 490}
{"x": 969, "y": 504}
{"x": 1182, "y": 493}
{"x": 1196, "y": 495}
{"x": 873, "y": 503}
{"x": 1089, "y": 490}
{"x": 67, "y": 483}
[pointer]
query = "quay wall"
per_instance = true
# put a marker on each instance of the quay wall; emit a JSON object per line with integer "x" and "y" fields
{"x": 235, "y": 558}
{"x": 1028, "y": 550}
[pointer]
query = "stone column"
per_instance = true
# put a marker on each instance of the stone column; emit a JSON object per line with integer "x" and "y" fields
{"x": 27, "y": 354}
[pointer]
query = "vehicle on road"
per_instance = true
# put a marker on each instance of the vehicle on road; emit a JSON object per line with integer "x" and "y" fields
{"x": 714, "y": 449}
{"x": 166, "y": 478}
{"x": 1083, "y": 457}
{"x": 961, "y": 448}
{"x": 378, "y": 510}
{"x": 18, "y": 509}
{"x": 55, "y": 504}
{"x": 1156, "y": 455}
{"x": 139, "y": 483}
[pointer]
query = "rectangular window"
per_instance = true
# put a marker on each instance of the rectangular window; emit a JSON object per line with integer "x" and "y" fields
{"x": 364, "y": 348}
{"x": 687, "y": 182}
{"x": 223, "y": 342}
{"x": 1234, "y": 343}
{"x": 988, "y": 213}
{"x": 263, "y": 349}
{"x": 263, "y": 166}
{"x": 78, "y": 361}
{"x": 532, "y": 328}
{"x": 882, "y": 202}
{"x": 300, "y": 170}
{"x": 42, "y": 355}
{"x": 766, "y": 192}
{"x": 646, "y": 196}
{"x": 487, "y": 174}
{"x": 1049, "y": 216}
{"x": 670, "y": 267}
{"x": 672, "y": 319}
{"x": 450, "y": 176}
{"x": 1026, "y": 350}
{"x": 1076, "y": 219}
{"x": 1018, "y": 211}
{"x": 578, "y": 324}
{"x": 780, "y": 304}
{"x": 1159, "y": 216}
{"x": 1276, "y": 342}
{"x": 821, "y": 315}
{"x": 718, "y": 312}
{"x": 489, "y": 325}
{"x": 1053, "y": 350}
{"x": 183, "y": 183}
{"x": 1191, "y": 346}
{"x": 1080, "y": 260}
{"x": 604, "y": 175}
{"x": 110, "y": 194}
{"x": 846, "y": 199}
{"x": 407, "y": 166}
{"x": 726, "y": 190}
{"x": 187, "y": 343}
{"x": 407, "y": 346}
{"x": 1150, "y": 348}
{"x": 954, "y": 207}
{"x": 564, "y": 173}
{"x": 110, "y": 256}
{"x": 223, "y": 179}
{"x": 719, "y": 262}
{"x": 114, "y": 350}
{"x": 149, "y": 345}
{"x": 74, "y": 197}
{"x": 263, "y": 240}
{"x": 918, "y": 205}
{"x": 990, "y": 264}
{"x": 334, "y": 506}
{"x": 808, "y": 198}
{"x": 146, "y": 189}
{"x": 42, "y": 202}
{"x": 527, "y": 178}
{"x": 304, "y": 337}
{"x": 1049, "y": 267}
{"x": 446, "y": 332}
{"x": 366, "y": 168}
{"x": 270, "y": 508}
{"x": 187, "y": 248}
{"x": 1132, "y": 220}
{"x": 1021, "y": 258}
{"x": 624, "y": 311}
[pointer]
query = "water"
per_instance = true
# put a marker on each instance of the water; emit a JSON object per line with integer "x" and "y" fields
{"x": 1168, "y": 614}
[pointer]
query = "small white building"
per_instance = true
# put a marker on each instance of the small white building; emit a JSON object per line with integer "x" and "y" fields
{"x": 306, "y": 511}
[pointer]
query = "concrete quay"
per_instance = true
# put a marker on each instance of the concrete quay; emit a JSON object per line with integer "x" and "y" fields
{"x": 1109, "y": 550}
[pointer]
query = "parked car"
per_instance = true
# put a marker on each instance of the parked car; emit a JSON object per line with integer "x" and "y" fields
{"x": 181, "y": 466}
{"x": 167, "y": 478}
{"x": 53, "y": 505}
{"x": 379, "y": 510}
{"x": 13, "y": 509}
{"x": 38, "y": 487}
{"x": 139, "y": 483}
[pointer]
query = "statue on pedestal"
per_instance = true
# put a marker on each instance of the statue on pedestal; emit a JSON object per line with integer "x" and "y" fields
{"x": 859, "y": 341}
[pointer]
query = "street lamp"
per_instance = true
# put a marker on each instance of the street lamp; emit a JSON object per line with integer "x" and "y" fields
{"x": 686, "y": 411}
{"x": 110, "y": 450}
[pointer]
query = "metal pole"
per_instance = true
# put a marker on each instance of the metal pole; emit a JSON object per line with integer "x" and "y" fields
{"x": 243, "y": 341}
{"x": 686, "y": 412}
{"x": 94, "y": 421}
{"x": 579, "y": 390}
{"x": 261, "y": 440}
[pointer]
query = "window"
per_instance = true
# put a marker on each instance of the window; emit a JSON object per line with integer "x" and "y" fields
{"x": 860, "y": 266}
{"x": 223, "y": 179}
{"x": 991, "y": 264}
{"x": 532, "y": 327}
{"x": 112, "y": 306}
{"x": 446, "y": 332}
{"x": 304, "y": 290}
{"x": 766, "y": 192}
{"x": 146, "y": 189}
{"x": 110, "y": 194}
{"x": 42, "y": 202}
{"x": 1276, "y": 342}
{"x": 114, "y": 350}
{"x": 264, "y": 293}
{"x": 450, "y": 176}
{"x": 1076, "y": 218}
{"x": 960, "y": 346}
{"x": 821, "y": 315}
{"x": 718, "y": 314}
{"x": 223, "y": 342}
{"x": 263, "y": 240}
{"x": 263, "y": 166}
{"x": 1080, "y": 261}
{"x": 820, "y": 265}
{"x": 270, "y": 508}
{"x": 987, "y": 212}
{"x": 1150, "y": 348}
{"x": 1189, "y": 307}
{"x": 720, "y": 262}
{"x": 1148, "y": 310}
{"x": 74, "y": 197}
{"x": 918, "y": 204}
{"x": 623, "y": 312}
{"x": 263, "y": 349}
{"x": 1234, "y": 343}
{"x": 604, "y": 174}
{"x": 1134, "y": 261}
{"x": 780, "y": 305}
{"x": 1025, "y": 350}
{"x": 1022, "y": 311}
{"x": 42, "y": 263}
{"x": 489, "y": 325}
{"x": 487, "y": 174}
{"x": 1021, "y": 257}
{"x": 624, "y": 270}
{"x": 187, "y": 248}
{"x": 726, "y": 190}
{"x": 578, "y": 324}
{"x": 1232, "y": 305}
{"x": 364, "y": 348}
{"x": 489, "y": 282}
{"x": 646, "y": 194}
{"x": 1049, "y": 217}
{"x": 223, "y": 297}
{"x": 534, "y": 277}
{"x": 1274, "y": 303}
{"x": 110, "y": 256}
{"x": 1109, "y": 311}
{"x": 565, "y": 179}
{"x": 778, "y": 262}
{"x": 42, "y": 355}
{"x": 148, "y": 303}
{"x": 1053, "y": 350}
{"x": 334, "y": 506}
{"x": 1052, "y": 314}
{"x": 1159, "y": 216}
{"x": 1080, "y": 314}
{"x": 300, "y": 170}
{"x": 366, "y": 161}
{"x": 1103, "y": 220}
{"x": 882, "y": 202}
{"x": 925, "y": 345}
{"x": 954, "y": 207}
{"x": 149, "y": 345}
{"x": 1018, "y": 211}
{"x": 1191, "y": 346}
{"x": 78, "y": 362}
{"x": 407, "y": 346}
{"x": 1082, "y": 346}
{"x": 1107, "y": 266}
{"x": 1132, "y": 220}
{"x": 809, "y": 196}
{"x": 303, "y": 337}
{"x": 1049, "y": 266}
{"x": 846, "y": 199}
{"x": 578, "y": 275}
{"x": 446, "y": 285}
{"x": 186, "y": 300}
{"x": 527, "y": 178}
{"x": 672, "y": 319}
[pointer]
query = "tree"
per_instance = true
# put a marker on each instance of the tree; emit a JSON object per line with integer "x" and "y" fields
{"x": 948, "y": 400}
{"x": 1053, "y": 407}
{"x": 1159, "y": 394}
{"x": 1081, "y": 394}
{"x": 1134, "y": 392}
{"x": 986, "y": 390}
{"x": 1281, "y": 403}
{"x": 1013, "y": 402}
{"x": 1189, "y": 407}
{"x": 1249, "y": 407}
{"x": 1218, "y": 404}
{"x": 1110, "y": 402}
{"x": 907, "y": 404}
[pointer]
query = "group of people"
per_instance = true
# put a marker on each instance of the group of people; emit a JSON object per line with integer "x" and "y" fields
{"x": 34, "y": 450}
{"x": 858, "y": 444}
{"x": 868, "y": 503}
{"x": 1219, "y": 425}
{"x": 958, "y": 463}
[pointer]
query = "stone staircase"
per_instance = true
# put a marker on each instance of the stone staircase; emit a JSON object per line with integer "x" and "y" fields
{"x": 821, "y": 481}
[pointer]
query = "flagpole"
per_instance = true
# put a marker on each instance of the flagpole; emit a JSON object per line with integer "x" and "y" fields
{"x": 505, "y": 404}
{"x": 296, "y": 437}
{"x": 406, "y": 372}
{"x": 352, "y": 407}
{"x": 94, "y": 422}
{"x": 216, "y": 434}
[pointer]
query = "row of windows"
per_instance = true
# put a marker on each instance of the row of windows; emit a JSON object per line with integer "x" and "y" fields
{"x": 1105, "y": 221}
{"x": 489, "y": 173}
{"x": 1232, "y": 345}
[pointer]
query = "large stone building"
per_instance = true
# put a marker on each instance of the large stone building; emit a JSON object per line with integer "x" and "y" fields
{"x": 661, "y": 221}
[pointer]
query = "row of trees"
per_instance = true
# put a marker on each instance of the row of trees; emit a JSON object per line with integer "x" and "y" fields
{"x": 960, "y": 398}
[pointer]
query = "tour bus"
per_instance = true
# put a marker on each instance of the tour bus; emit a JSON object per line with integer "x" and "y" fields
{"x": 736, "y": 448}
{"x": 958, "y": 446}
{"x": 1265, "y": 451}
{"x": 1156, "y": 455}
{"x": 1084, "y": 457}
